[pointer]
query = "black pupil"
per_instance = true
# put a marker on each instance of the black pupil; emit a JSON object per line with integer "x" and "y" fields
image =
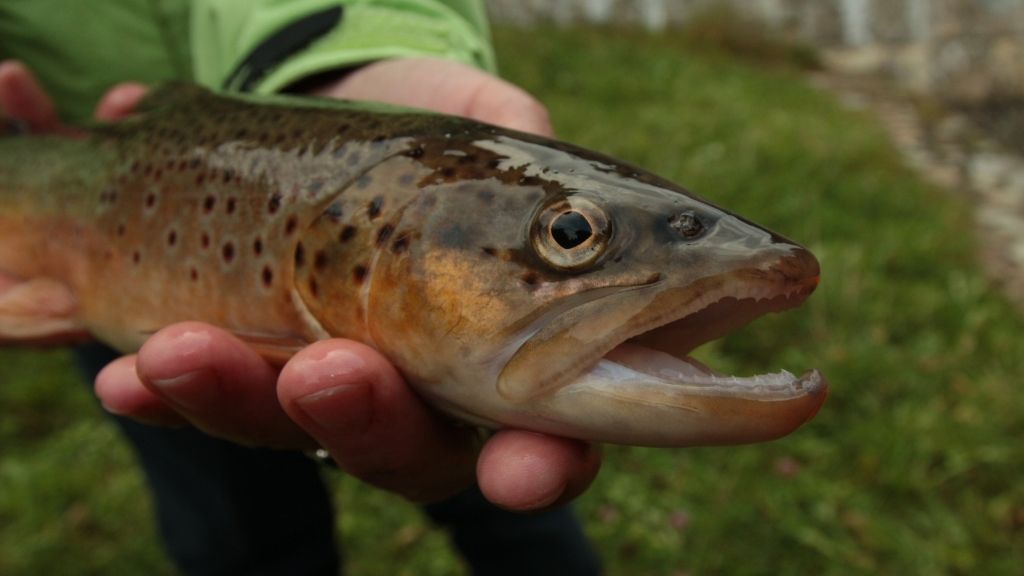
{"x": 570, "y": 229}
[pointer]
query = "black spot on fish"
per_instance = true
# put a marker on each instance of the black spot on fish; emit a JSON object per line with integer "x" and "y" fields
{"x": 320, "y": 260}
{"x": 405, "y": 179}
{"x": 384, "y": 233}
{"x": 363, "y": 181}
{"x": 359, "y": 274}
{"x": 416, "y": 152}
{"x": 230, "y": 208}
{"x": 400, "y": 244}
{"x": 172, "y": 238}
{"x": 490, "y": 251}
{"x": 346, "y": 234}
{"x": 193, "y": 163}
{"x": 268, "y": 276}
{"x": 150, "y": 200}
{"x": 228, "y": 175}
{"x": 228, "y": 252}
{"x": 373, "y": 210}
{"x": 136, "y": 257}
{"x": 494, "y": 164}
{"x": 448, "y": 172}
{"x": 257, "y": 246}
{"x": 334, "y": 211}
{"x": 204, "y": 241}
{"x": 300, "y": 255}
{"x": 354, "y": 158}
{"x": 290, "y": 225}
{"x": 274, "y": 204}
{"x": 486, "y": 196}
{"x": 208, "y": 204}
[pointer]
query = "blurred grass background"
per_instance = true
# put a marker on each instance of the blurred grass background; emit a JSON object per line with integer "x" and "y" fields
{"x": 913, "y": 466}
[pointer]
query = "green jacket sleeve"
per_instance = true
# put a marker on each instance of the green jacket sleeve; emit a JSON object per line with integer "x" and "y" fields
{"x": 225, "y": 34}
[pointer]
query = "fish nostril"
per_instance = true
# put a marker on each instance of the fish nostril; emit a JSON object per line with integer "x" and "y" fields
{"x": 687, "y": 224}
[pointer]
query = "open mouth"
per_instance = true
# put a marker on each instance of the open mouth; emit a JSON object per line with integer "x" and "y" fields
{"x": 661, "y": 354}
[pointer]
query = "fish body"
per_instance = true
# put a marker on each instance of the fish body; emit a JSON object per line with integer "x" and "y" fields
{"x": 514, "y": 280}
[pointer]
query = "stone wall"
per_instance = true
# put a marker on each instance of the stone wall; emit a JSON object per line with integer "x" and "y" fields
{"x": 962, "y": 50}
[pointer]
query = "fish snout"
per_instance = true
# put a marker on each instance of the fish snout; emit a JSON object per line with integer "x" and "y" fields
{"x": 797, "y": 266}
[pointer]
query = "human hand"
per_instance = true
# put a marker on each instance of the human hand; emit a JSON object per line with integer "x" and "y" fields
{"x": 339, "y": 394}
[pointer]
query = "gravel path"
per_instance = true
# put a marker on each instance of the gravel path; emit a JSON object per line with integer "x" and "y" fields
{"x": 961, "y": 152}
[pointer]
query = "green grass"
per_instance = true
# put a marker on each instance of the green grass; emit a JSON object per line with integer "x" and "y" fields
{"x": 913, "y": 466}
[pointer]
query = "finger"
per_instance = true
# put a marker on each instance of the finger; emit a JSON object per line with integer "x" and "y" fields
{"x": 357, "y": 406}
{"x": 121, "y": 392}
{"x": 22, "y": 98}
{"x": 218, "y": 384}
{"x": 120, "y": 101}
{"x": 503, "y": 104}
{"x": 448, "y": 87}
{"x": 522, "y": 470}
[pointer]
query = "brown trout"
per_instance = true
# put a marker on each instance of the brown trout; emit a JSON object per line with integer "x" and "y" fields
{"x": 514, "y": 280}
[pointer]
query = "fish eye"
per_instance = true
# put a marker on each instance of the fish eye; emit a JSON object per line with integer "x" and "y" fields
{"x": 571, "y": 234}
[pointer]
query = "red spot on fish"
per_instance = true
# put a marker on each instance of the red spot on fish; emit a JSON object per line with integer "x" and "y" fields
{"x": 228, "y": 252}
{"x": 231, "y": 206}
{"x": 290, "y": 225}
{"x": 172, "y": 238}
{"x": 268, "y": 276}
{"x": 209, "y": 203}
{"x": 193, "y": 274}
{"x": 257, "y": 246}
{"x": 204, "y": 241}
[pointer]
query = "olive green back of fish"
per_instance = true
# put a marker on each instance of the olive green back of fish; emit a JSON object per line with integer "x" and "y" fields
{"x": 194, "y": 210}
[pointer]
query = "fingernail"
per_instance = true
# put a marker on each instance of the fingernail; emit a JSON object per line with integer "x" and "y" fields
{"x": 345, "y": 408}
{"x": 190, "y": 390}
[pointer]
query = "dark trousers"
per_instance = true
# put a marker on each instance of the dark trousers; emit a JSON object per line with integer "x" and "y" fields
{"x": 220, "y": 511}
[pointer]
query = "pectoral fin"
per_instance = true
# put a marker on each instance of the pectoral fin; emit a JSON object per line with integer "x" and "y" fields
{"x": 37, "y": 311}
{"x": 274, "y": 348}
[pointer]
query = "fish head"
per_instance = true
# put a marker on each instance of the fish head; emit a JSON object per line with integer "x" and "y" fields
{"x": 544, "y": 286}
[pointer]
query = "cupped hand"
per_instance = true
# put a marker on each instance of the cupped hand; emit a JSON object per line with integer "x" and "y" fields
{"x": 336, "y": 394}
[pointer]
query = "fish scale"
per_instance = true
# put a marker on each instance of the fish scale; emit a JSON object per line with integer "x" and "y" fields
{"x": 500, "y": 272}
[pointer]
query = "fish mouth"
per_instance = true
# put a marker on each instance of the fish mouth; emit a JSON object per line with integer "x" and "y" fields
{"x": 639, "y": 385}
{"x": 662, "y": 353}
